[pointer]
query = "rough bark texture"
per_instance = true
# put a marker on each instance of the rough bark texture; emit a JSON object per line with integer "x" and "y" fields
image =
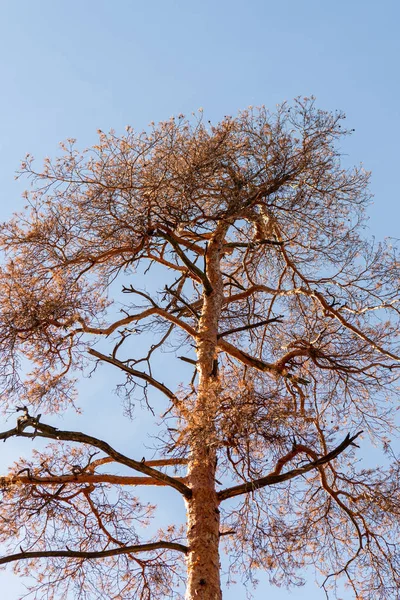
{"x": 203, "y": 529}
{"x": 202, "y": 508}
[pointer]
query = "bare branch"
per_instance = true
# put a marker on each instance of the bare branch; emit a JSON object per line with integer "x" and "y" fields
{"x": 81, "y": 478}
{"x": 162, "y": 545}
{"x": 277, "y": 319}
{"x": 273, "y": 479}
{"x": 133, "y": 319}
{"x": 253, "y": 244}
{"x": 190, "y": 265}
{"x": 273, "y": 369}
{"x": 46, "y": 431}
{"x": 156, "y": 384}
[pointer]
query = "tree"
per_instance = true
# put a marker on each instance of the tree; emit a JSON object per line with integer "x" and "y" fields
{"x": 282, "y": 317}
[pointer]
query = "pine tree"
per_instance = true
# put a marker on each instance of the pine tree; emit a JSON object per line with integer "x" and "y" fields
{"x": 282, "y": 322}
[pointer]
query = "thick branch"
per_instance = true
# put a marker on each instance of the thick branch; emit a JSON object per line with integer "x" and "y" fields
{"x": 87, "y": 478}
{"x": 162, "y": 545}
{"x": 329, "y": 309}
{"x": 273, "y": 479}
{"x": 253, "y": 244}
{"x": 183, "y": 301}
{"x": 46, "y": 431}
{"x": 191, "y": 266}
{"x": 335, "y": 313}
{"x": 251, "y": 326}
{"x": 180, "y": 239}
{"x": 323, "y": 303}
{"x": 133, "y": 319}
{"x": 274, "y": 369}
{"x": 157, "y": 462}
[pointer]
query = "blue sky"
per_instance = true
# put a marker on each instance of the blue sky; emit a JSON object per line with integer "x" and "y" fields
{"x": 70, "y": 68}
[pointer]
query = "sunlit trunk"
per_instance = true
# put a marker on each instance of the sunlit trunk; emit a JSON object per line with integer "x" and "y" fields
{"x": 202, "y": 508}
{"x": 203, "y": 530}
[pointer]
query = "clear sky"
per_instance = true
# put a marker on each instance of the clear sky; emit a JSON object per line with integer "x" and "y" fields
{"x": 71, "y": 67}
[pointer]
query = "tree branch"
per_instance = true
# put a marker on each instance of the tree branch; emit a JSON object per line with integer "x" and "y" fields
{"x": 132, "y": 319}
{"x": 183, "y": 301}
{"x": 157, "y": 462}
{"x": 49, "y": 432}
{"x": 312, "y": 293}
{"x": 277, "y": 319}
{"x": 161, "y": 545}
{"x": 253, "y": 244}
{"x": 117, "y": 363}
{"x": 191, "y": 266}
{"x": 273, "y": 479}
{"x": 274, "y": 369}
{"x": 88, "y": 478}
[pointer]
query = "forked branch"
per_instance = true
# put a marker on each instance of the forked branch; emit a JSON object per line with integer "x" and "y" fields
{"x": 188, "y": 263}
{"x": 273, "y": 479}
{"x": 46, "y": 431}
{"x": 139, "y": 374}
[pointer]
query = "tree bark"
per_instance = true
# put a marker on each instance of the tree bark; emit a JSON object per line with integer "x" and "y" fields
{"x": 203, "y": 530}
{"x": 202, "y": 507}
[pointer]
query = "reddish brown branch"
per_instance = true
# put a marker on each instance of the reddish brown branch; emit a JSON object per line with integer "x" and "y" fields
{"x": 273, "y": 369}
{"x": 158, "y": 462}
{"x": 253, "y": 244}
{"x": 87, "y": 478}
{"x": 148, "y": 312}
{"x": 273, "y": 479}
{"x": 297, "y": 449}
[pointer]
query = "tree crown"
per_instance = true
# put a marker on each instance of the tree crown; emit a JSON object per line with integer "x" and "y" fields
{"x": 286, "y": 315}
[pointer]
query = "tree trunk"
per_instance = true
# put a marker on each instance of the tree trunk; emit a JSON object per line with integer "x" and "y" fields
{"x": 203, "y": 530}
{"x": 202, "y": 508}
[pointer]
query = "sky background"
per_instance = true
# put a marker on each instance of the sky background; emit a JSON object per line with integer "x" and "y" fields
{"x": 70, "y": 68}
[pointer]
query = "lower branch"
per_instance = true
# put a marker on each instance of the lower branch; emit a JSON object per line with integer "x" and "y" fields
{"x": 162, "y": 545}
{"x": 87, "y": 478}
{"x": 46, "y": 431}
